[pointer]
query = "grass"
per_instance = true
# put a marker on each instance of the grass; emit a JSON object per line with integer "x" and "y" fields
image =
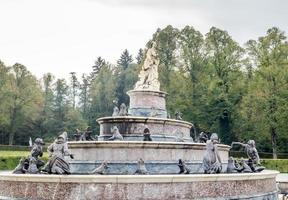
{"x": 17, "y": 154}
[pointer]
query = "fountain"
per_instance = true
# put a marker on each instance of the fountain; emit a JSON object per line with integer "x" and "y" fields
{"x": 121, "y": 164}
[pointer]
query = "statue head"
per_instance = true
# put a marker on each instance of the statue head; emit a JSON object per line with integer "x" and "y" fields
{"x": 62, "y": 137}
{"x": 39, "y": 141}
{"x": 214, "y": 138}
{"x": 251, "y": 143}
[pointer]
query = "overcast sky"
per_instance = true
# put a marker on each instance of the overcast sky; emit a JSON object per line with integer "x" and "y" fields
{"x": 61, "y": 36}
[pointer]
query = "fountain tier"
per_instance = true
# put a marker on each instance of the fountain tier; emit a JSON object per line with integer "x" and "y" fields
{"x": 122, "y": 156}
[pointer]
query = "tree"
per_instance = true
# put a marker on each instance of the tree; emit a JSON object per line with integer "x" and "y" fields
{"x": 166, "y": 40}
{"x": 74, "y": 88}
{"x": 270, "y": 56}
{"x": 140, "y": 56}
{"x": 225, "y": 60}
{"x": 125, "y": 59}
{"x": 84, "y": 95}
{"x": 99, "y": 63}
{"x": 24, "y": 109}
{"x": 61, "y": 104}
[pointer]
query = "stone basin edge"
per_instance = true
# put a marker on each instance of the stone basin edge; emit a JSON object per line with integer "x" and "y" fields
{"x": 118, "y": 179}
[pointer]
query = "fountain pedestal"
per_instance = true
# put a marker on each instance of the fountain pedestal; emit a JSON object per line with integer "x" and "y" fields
{"x": 147, "y": 103}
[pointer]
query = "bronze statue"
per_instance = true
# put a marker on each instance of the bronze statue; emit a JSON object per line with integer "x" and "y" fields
{"x": 87, "y": 135}
{"x": 147, "y": 135}
{"x": 253, "y": 161}
{"x": 212, "y": 162}
{"x": 57, "y": 151}
{"x": 183, "y": 168}
{"x": 203, "y": 137}
{"x": 77, "y": 135}
{"x": 22, "y": 167}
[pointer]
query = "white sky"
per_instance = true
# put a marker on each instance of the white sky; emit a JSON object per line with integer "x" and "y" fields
{"x": 60, "y": 36}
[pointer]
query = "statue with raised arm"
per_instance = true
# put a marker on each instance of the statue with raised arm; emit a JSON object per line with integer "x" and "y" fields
{"x": 148, "y": 77}
{"x": 212, "y": 162}
{"x": 250, "y": 149}
{"x": 253, "y": 158}
{"x": 57, "y": 152}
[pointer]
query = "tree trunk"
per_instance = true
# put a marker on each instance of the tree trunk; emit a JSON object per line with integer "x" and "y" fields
{"x": 274, "y": 143}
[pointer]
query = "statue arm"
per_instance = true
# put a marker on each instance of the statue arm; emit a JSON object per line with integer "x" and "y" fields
{"x": 217, "y": 154}
{"x": 66, "y": 151}
{"x": 239, "y": 143}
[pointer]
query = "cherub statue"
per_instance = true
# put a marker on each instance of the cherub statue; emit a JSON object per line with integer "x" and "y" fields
{"x": 212, "y": 162}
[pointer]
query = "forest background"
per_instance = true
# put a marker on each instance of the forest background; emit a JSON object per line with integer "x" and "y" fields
{"x": 239, "y": 92}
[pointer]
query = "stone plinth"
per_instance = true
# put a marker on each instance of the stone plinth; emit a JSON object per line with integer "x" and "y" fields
{"x": 254, "y": 186}
{"x": 147, "y": 103}
{"x": 132, "y": 128}
{"x": 122, "y": 156}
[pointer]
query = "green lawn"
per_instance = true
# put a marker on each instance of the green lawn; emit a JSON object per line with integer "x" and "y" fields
{"x": 17, "y": 154}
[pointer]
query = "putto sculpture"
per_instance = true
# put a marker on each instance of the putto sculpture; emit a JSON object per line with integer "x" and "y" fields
{"x": 212, "y": 162}
{"x": 87, "y": 135}
{"x": 57, "y": 152}
{"x": 253, "y": 161}
{"x": 231, "y": 167}
{"x": 148, "y": 77}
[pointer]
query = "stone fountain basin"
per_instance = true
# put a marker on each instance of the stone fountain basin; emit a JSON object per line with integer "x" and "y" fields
{"x": 132, "y": 127}
{"x": 253, "y": 186}
{"x": 122, "y": 156}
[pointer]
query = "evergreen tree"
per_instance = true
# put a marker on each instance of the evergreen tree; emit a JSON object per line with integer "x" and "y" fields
{"x": 125, "y": 59}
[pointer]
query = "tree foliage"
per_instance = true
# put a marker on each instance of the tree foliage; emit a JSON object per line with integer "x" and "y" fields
{"x": 237, "y": 91}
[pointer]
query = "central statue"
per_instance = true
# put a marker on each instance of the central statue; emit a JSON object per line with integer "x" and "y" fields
{"x": 148, "y": 77}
